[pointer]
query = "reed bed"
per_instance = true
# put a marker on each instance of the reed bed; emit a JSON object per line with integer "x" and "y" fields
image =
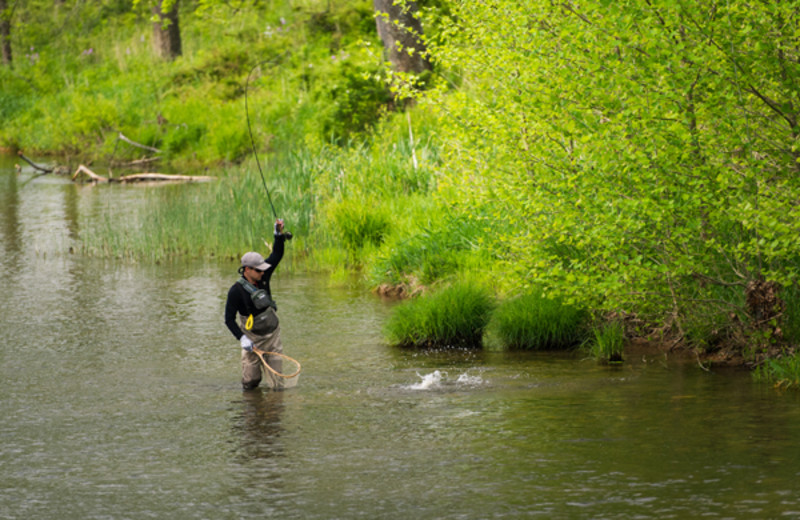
{"x": 455, "y": 316}
{"x": 534, "y": 322}
{"x": 223, "y": 218}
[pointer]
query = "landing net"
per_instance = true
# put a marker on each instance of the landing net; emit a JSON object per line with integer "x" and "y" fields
{"x": 280, "y": 370}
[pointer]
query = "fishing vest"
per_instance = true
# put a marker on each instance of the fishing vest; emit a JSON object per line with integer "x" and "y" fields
{"x": 265, "y": 322}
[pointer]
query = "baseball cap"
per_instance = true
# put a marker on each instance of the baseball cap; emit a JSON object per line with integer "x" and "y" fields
{"x": 254, "y": 260}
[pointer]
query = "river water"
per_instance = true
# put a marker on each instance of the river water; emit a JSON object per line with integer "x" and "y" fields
{"x": 120, "y": 399}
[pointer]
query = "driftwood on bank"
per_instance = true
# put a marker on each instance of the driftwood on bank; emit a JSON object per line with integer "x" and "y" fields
{"x": 139, "y": 177}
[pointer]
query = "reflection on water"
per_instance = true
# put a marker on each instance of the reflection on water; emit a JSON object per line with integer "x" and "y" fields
{"x": 121, "y": 399}
{"x": 258, "y": 424}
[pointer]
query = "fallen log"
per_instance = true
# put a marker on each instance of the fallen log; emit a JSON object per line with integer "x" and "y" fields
{"x": 89, "y": 173}
{"x": 140, "y": 177}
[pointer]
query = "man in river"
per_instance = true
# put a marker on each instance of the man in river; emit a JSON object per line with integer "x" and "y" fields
{"x": 250, "y": 300}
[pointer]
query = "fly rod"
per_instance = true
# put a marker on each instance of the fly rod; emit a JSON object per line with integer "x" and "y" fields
{"x": 253, "y": 145}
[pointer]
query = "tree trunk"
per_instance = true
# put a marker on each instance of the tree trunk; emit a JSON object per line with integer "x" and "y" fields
{"x": 166, "y": 33}
{"x": 5, "y": 32}
{"x": 401, "y": 33}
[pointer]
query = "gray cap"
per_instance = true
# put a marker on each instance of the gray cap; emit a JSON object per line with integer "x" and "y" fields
{"x": 254, "y": 260}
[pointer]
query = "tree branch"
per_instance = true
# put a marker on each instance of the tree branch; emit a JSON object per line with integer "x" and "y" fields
{"x": 35, "y": 166}
{"x": 138, "y": 145}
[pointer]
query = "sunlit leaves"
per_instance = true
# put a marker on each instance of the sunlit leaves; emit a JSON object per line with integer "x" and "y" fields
{"x": 626, "y": 150}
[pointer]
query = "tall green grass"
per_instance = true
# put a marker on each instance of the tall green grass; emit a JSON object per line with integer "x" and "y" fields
{"x": 222, "y": 218}
{"x": 359, "y": 223}
{"x": 455, "y": 316}
{"x": 607, "y": 343}
{"x": 433, "y": 246}
{"x": 534, "y": 322}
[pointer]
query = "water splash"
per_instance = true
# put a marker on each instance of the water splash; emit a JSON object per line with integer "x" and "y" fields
{"x": 432, "y": 380}
{"x": 437, "y": 379}
{"x": 466, "y": 379}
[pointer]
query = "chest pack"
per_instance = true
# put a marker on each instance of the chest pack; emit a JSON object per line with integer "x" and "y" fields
{"x": 263, "y": 322}
{"x": 260, "y": 297}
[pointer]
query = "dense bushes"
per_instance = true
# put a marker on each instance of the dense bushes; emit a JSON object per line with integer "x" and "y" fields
{"x": 623, "y": 166}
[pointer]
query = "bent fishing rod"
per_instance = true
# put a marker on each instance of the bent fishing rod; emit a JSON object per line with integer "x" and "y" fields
{"x": 253, "y": 145}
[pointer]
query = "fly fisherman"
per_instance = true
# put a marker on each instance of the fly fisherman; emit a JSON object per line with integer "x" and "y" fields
{"x": 251, "y": 299}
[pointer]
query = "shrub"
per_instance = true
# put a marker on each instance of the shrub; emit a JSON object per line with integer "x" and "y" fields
{"x": 358, "y": 225}
{"x": 435, "y": 248}
{"x": 357, "y": 100}
{"x": 182, "y": 137}
{"x": 534, "y": 322}
{"x": 453, "y": 317}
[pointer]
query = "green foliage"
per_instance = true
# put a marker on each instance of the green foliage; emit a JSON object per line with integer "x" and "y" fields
{"x": 608, "y": 342}
{"x": 625, "y": 151}
{"x": 357, "y": 99}
{"x": 534, "y": 322}
{"x": 455, "y": 316}
{"x": 434, "y": 248}
{"x": 358, "y": 223}
{"x": 783, "y": 372}
{"x": 223, "y": 67}
{"x": 181, "y": 138}
{"x": 310, "y": 82}
{"x": 341, "y": 20}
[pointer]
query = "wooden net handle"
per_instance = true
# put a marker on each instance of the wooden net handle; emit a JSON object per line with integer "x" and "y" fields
{"x": 260, "y": 353}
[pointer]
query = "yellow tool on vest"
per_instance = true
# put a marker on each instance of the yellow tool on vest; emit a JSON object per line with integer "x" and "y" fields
{"x": 249, "y": 323}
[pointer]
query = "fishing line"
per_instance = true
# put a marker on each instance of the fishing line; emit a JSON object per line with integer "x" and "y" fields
{"x": 252, "y": 140}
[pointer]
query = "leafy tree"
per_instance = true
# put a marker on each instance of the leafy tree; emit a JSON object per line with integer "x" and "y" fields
{"x": 640, "y": 156}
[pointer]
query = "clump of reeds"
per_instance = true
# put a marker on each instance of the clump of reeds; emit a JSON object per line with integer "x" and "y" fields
{"x": 358, "y": 225}
{"x": 608, "y": 342}
{"x": 534, "y": 322}
{"x": 455, "y": 316}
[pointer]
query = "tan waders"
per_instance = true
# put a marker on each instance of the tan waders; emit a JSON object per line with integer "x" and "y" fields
{"x": 251, "y": 365}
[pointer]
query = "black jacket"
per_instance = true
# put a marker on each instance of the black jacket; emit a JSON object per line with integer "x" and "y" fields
{"x": 239, "y": 301}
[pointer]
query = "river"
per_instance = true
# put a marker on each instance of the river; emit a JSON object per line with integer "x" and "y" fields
{"x": 121, "y": 400}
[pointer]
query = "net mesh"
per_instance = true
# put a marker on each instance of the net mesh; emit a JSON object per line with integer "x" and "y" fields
{"x": 280, "y": 371}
